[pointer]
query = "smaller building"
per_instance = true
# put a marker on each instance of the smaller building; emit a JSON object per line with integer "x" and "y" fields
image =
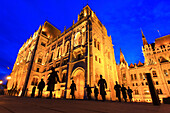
{"x": 157, "y": 62}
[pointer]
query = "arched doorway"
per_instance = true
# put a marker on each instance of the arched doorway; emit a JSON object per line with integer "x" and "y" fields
{"x": 79, "y": 80}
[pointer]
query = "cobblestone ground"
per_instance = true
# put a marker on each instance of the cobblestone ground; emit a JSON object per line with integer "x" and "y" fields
{"x": 36, "y": 105}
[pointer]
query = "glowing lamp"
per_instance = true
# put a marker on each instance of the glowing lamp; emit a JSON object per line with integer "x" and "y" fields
{"x": 1, "y": 81}
{"x": 8, "y": 77}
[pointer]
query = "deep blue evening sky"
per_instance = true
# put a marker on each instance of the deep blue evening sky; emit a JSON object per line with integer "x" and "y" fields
{"x": 122, "y": 19}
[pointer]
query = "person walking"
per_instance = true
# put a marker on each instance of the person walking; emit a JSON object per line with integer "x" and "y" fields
{"x": 89, "y": 91}
{"x": 52, "y": 81}
{"x": 123, "y": 89}
{"x": 129, "y": 92}
{"x": 73, "y": 88}
{"x": 102, "y": 84}
{"x": 96, "y": 92}
{"x": 117, "y": 88}
{"x": 41, "y": 86}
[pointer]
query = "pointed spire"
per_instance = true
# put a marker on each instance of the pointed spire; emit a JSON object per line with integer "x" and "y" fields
{"x": 73, "y": 22}
{"x": 64, "y": 28}
{"x": 122, "y": 58}
{"x": 140, "y": 64}
{"x": 131, "y": 65}
{"x": 144, "y": 39}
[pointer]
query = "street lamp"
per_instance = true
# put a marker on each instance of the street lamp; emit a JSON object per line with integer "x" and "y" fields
{"x": 8, "y": 77}
{"x": 1, "y": 82}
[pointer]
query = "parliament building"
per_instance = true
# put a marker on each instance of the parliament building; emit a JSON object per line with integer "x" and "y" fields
{"x": 82, "y": 53}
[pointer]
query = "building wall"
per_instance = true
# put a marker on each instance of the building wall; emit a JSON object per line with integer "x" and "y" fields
{"x": 81, "y": 53}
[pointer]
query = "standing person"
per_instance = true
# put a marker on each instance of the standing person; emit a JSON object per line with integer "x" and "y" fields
{"x": 129, "y": 91}
{"x": 117, "y": 88}
{"x": 89, "y": 91}
{"x": 33, "y": 91}
{"x": 41, "y": 86}
{"x": 102, "y": 84}
{"x": 96, "y": 92}
{"x": 73, "y": 88}
{"x": 123, "y": 89}
{"x": 52, "y": 81}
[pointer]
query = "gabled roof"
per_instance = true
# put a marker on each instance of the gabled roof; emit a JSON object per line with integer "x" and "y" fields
{"x": 162, "y": 41}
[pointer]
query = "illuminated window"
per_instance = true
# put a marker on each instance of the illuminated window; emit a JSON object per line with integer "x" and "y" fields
{"x": 131, "y": 76}
{"x": 96, "y": 58}
{"x": 141, "y": 76}
{"x": 136, "y": 92}
{"x": 99, "y": 60}
{"x": 98, "y": 46}
{"x": 154, "y": 73}
{"x": 80, "y": 40}
{"x": 146, "y": 92}
{"x": 124, "y": 76}
{"x": 165, "y": 73}
{"x": 94, "y": 42}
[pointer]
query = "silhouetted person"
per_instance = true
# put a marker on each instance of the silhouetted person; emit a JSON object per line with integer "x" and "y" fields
{"x": 52, "y": 81}
{"x": 102, "y": 83}
{"x": 33, "y": 91}
{"x": 123, "y": 89}
{"x": 26, "y": 91}
{"x": 117, "y": 88}
{"x": 129, "y": 92}
{"x": 41, "y": 86}
{"x": 73, "y": 88}
{"x": 89, "y": 91}
{"x": 96, "y": 92}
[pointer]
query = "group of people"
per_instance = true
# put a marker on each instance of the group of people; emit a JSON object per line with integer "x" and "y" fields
{"x": 53, "y": 79}
{"x": 102, "y": 84}
{"x": 123, "y": 89}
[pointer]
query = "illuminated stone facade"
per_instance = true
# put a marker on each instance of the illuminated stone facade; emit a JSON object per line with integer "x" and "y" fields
{"x": 82, "y": 52}
{"x": 157, "y": 62}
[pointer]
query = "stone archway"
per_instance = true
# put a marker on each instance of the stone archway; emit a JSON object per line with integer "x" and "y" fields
{"x": 78, "y": 76}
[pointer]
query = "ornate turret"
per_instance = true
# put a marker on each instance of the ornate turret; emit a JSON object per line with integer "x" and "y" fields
{"x": 144, "y": 39}
{"x": 122, "y": 58}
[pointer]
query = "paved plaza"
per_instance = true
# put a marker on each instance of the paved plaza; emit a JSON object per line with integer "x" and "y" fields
{"x": 10, "y": 104}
